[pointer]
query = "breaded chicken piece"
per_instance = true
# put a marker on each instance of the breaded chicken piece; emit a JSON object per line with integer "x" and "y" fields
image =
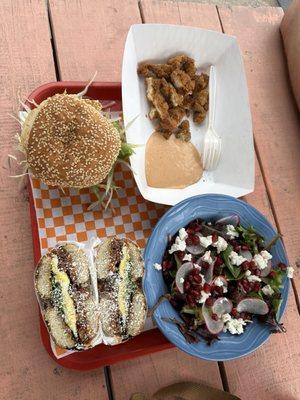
{"x": 171, "y": 122}
{"x": 156, "y": 98}
{"x": 185, "y": 63}
{"x": 182, "y": 81}
{"x": 199, "y": 116}
{"x": 153, "y": 114}
{"x": 164, "y": 132}
{"x": 155, "y": 70}
{"x": 200, "y": 100}
{"x": 170, "y": 94}
{"x": 183, "y": 133}
{"x": 201, "y": 81}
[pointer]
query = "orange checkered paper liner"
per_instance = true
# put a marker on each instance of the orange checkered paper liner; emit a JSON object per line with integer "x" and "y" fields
{"x": 64, "y": 215}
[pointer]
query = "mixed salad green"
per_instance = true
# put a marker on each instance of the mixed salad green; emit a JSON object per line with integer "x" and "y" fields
{"x": 220, "y": 275}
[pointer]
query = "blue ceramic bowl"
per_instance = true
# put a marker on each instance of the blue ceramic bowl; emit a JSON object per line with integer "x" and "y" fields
{"x": 207, "y": 207}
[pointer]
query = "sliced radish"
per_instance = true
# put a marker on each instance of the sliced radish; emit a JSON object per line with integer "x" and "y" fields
{"x": 196, "y": 249}
{"x": 213, "y": 326}
{"x": 253, "y": 306}
{"x": 265, "y": 272}
{"x": 222, "y": 306}
{"x": 182, "y": 273}
{"x": 223, "y": 279}
{"x": 208, "y": 274}
{"x": 230, "y": 220}
{"x": 246, "y": 254}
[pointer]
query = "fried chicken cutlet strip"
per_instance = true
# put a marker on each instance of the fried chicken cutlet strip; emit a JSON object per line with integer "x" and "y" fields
{"x": 182, "y": 81}
{"x": 183, "y": 131}
{"x": 169, "y": 92}
{"x": 185, "y": 63}
{"x": 155, "y": 70}
{"x": 156, "y": 98}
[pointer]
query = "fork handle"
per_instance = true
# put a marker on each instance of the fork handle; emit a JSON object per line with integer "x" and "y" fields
{"x": 212, "y": 86}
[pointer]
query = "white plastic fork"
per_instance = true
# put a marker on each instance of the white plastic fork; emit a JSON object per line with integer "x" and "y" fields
{"x": 212, "y": 141}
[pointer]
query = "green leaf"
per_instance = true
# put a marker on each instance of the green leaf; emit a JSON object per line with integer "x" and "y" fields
{"x": 257, "y": 295}
{"x": 276, "y": 306}
{"x": 178, "y": 262}
{"x": 172, "y": 273}
{"x": 229, "y": 275}
{"x": 253, "y": 239}
{"x": 188, "y": 310}
{"x": 235, "y": 271}
{"x": 126, "y": 151}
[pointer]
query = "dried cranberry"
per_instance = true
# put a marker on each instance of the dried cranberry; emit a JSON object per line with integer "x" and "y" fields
{"x": 245, "y": 265}
{"x": 186, "y": 285}
{"x": 237, "y": 248}
{"x": 214, "y": 237}
{"x": 190, "y": 299}
{"x": 195, "y": 226}
{"x": 190, "y": 231}
{"x": 234, "y": 312}
{"x": 272, "y": 275}
{"x": 195, "y": 239}
{"x": 166, "y": 265}
{"x": 218, "y": 289}
{"x": 214, "y": 317}
{"x": 190, "y": 278}
{"x": 245, "y": 285}
{"x": 209, "y": 302}
{"x": 189, "y": 240}
{"x": 218, "y": 261}
{"x": 257, "y": 272}
{"x": 206, "y": 288}
{"x": 195, "y": 293}
{"x": 180, "y": 255}
{"x": 197, "y": 278}
{"x": 282, "y": 266}
{"x": 245, "y": 247}
{"x": 252, "y": 265}
{"x": 204, "y": 265}
{"x": 256, "y": 286}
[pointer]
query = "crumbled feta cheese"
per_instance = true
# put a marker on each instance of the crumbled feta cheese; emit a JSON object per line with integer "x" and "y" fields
{"x": 234, "y": 326}
{"x": 267, "y": 290}
{"x": 206, "y": 257}
{"x": 253, "y": 278}
{"x": 157, "y": 266}
{"x": 197, "y": 266}
{"x": 179, "y": 245}
{"x": 248, "y": 273}
{"x": 182, "y": 234}
{"x": 187, "y": 257}
{"x": 204, "y": 297}
{"x": 290, "y": 272}
{"x": 181, "y": 280}
{"x": 209, "y": 223}
{"x": 220, "y": 244}
{"x": 236, "y": 259}
{"x": 205, "y": 241}
{"x": 218, "y": 281}
{"x": 266, "y": 255}
{"x": 226, "y": 317}
{"x": 231, "y": 232}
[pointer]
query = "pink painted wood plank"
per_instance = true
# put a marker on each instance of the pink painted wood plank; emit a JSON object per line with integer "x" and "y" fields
{"x": 148, "y": 374}
{"x": 275, "y": 118}
{"x": 26, "y": 370}
{"x": 183, "y": 13}
{"x": 90, "y": 36}
{"x": 270, "y": 372}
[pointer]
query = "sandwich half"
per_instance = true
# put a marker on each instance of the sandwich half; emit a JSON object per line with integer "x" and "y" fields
{"x": 65, "y": 292}
{"x": 120, "y": 270}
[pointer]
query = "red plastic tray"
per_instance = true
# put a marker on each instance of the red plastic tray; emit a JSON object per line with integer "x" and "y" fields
{"x": 101, "y": 355}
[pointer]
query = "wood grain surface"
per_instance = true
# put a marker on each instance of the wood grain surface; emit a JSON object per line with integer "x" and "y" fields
{"x": 269, "y": 373}
{"x": 90, "y": 35}
{"x": 26, "y": 370}
{"x": 275, "y": 117}
{"x": 148, "y": 374}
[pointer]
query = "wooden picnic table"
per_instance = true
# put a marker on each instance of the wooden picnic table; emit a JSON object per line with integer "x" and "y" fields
{"x": 69, "y": 40}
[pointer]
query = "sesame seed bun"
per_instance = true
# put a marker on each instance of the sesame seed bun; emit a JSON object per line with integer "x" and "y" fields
{"x": 68, "y": 142}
